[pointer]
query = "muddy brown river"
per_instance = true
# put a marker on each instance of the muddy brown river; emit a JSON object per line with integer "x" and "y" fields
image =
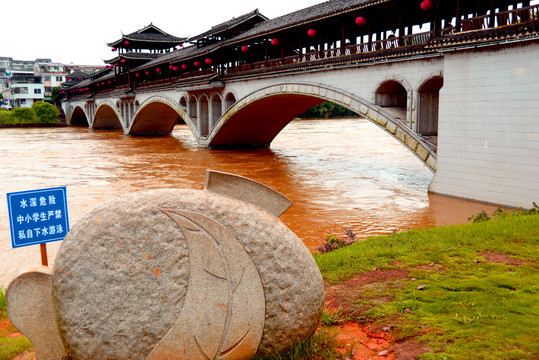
{"x": 344, "y": 173}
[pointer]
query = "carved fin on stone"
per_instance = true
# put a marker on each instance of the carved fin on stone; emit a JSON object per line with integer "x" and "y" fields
{"x": 224, "y": 309}
{"x": 31, "y": 310}
{"x": 247, "y": 190}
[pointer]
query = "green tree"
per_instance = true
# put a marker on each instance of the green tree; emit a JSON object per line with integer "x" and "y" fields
{"x": 55, "y": 95}
{"x": 47, "y": 113}
{"x": 327, "y": 110}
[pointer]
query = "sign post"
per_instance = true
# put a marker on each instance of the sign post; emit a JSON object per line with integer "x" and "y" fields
{"x": 38, "y": 217}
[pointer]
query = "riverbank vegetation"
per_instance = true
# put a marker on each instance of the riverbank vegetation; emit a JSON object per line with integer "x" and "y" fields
{"x": 328, "y": 110}
{"x": 11, "y": 341}
{"x": 40, "y": 114}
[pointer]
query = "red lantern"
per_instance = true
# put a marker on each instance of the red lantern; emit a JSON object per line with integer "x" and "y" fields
{"x": 123, "y": 60}
{"x": 126, "y": 42}
{"x": 137, "y": 75}
{"x": 97, "y": 84}
{"x": 170, "y": 66}
{"x": 184, "y": 66}
{"x": 158, "y": 69}
{"x": 147, "y": 72}
{"x": 274, "y": 41}
{"x": 103, "y": 83}
{"x": 427, "y": 5}
{"x": 197, "y": 63}
{"x": 245, "y": 48}
{"x": 114, "y": 49}
{"x": 109, "y": 82}
{"x": 312, "y": 32}
{"x": 116, "y": 64}
{"x": 208, "y": 61}
{"x": 175, "y": 68}
{"x": 181, "y": 44}
{"x": 360, "y": 20}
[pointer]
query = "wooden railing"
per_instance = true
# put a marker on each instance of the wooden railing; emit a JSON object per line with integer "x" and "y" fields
{"x": 504, "y": 18}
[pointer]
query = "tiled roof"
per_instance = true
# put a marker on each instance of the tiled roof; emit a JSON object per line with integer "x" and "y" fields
{"x": 134, "y": 56}
{"x": 77, "y": 74}
{"x": 150, "y": 33}
{"x": 230, "y": 24}
{"x": 303, "y": 16}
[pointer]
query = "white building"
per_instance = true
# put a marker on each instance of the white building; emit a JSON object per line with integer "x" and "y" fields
{"x": 23, "y": 89}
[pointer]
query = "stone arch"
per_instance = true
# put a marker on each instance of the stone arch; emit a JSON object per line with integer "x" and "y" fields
{"x": 256, "y": 119}
{"x": 230, "y": 99}
{"x": 192, "y": 106}
{"x": 79, "y": 117}
{"x": 428, "y": 105}
{"x": 157, "y": 116}
{"x": 395, "y": 95}
{"x": 183, "y": 102}
{"x": 216, "y": 109}
{"x": 107, "y": 116}
{"x": 204, "y": 115}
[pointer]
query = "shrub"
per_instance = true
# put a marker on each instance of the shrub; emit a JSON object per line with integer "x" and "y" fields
{"x": 47, "y": 113}
{"x": 24, "y": 116}
{"x": 5, "y": 117}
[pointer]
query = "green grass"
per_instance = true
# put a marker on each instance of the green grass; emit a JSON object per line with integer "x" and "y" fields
{"x": 470, "y": 308}
{"x": 2, "y": 300}
{"x": 321, "y": 346}
{"x": 10, "y": 347}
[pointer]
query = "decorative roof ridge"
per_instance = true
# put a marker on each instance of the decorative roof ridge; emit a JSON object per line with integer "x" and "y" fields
{"x": 230, "y": 23}
{"x": 134, "y": 36}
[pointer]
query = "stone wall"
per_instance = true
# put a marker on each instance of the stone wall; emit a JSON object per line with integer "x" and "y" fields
{"x": 488, "y": 136}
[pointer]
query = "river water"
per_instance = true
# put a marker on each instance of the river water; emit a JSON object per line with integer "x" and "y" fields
{"x": 339, "y": 174}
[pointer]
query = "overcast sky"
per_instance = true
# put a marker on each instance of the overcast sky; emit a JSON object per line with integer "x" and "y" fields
{"x": 74, "y": 31}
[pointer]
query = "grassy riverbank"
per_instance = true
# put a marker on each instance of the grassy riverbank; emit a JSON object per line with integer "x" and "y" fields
{"x": 455, "y": 292}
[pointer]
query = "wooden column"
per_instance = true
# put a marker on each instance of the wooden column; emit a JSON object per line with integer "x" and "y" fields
{"x": 129, "y": 78}
{"x": 491, "y": 17}
{"x": 266, "y": 54}
{"x": 457, "y": 15}
{"x": 343, "y": 39}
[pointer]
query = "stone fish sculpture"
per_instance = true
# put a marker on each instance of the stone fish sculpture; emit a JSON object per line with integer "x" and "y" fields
{"x": 174, "y": 274}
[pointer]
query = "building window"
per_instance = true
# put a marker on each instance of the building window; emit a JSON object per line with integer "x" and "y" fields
{"x": 37, "y": 91}
{"x": 48, "y": 89}
{"x": 59, "y": 78}
{"x": 20, "y": 90}
{"x": 47, "y": 78}
{"x": 23, "y": 101}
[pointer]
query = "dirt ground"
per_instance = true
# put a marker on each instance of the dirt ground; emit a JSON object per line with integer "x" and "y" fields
{"x": 366, "y": 341}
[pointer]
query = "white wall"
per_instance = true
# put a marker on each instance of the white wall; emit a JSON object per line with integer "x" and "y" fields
{"x": 488, "y": 136}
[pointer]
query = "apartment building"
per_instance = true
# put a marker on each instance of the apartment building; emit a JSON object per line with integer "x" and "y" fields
{"x": 53, "y": 75}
